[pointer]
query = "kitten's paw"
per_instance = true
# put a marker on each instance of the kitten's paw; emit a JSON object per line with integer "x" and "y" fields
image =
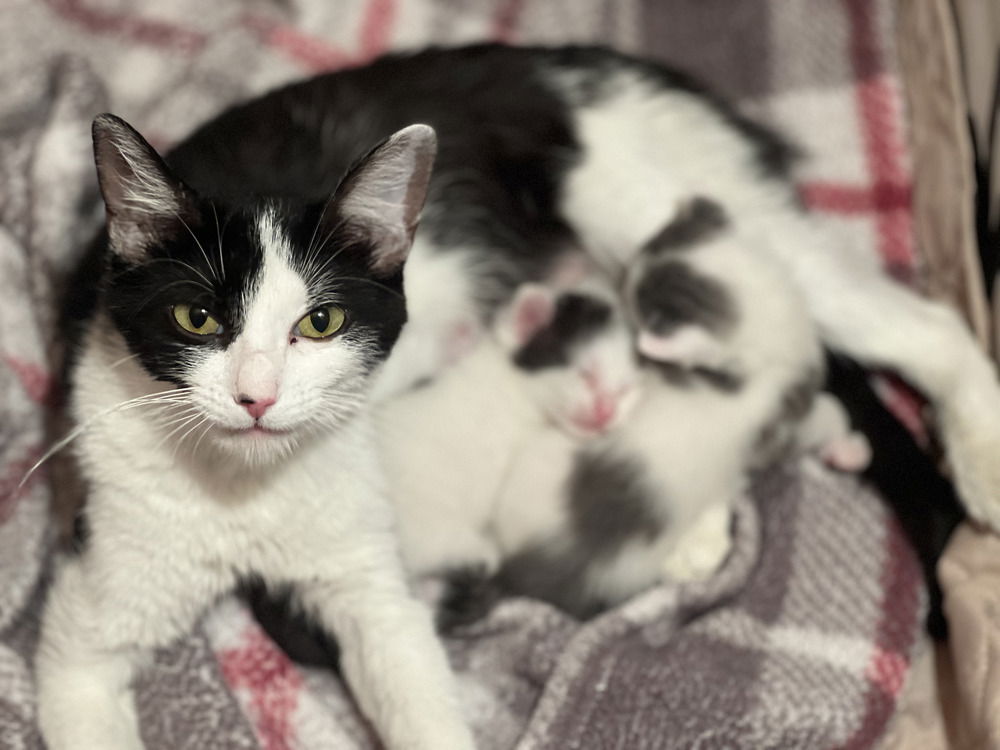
{"x": 703, "y": 548}
{"x": 850, "y": 453}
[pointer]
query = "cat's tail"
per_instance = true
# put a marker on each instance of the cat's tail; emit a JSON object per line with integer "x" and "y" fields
{"x": 906, "y": 476}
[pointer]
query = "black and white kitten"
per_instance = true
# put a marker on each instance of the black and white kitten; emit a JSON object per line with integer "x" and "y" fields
{"x": 221, "y": 390}
{"x": 540, "y": 148}
{"x": 557, "y": 357}
{"x": 586, "y": 527}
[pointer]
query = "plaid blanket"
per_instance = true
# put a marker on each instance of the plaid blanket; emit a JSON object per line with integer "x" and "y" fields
{"x": 804, "y": 639}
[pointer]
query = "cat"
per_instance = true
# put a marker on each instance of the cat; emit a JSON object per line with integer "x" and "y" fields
{"x": 588, "y": 526}
{"x": 544, "y": 148}
{"x": 221, "y": 388}
{"x": 559, "y": 356}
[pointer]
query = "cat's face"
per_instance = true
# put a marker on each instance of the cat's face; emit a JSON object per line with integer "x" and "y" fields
{"x": 576, "y": 354}
{"x": 270, "y": 317}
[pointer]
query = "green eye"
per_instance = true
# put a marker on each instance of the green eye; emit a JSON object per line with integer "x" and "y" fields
{"x": 320, "y": 323}
{"x": 196, "y": 320}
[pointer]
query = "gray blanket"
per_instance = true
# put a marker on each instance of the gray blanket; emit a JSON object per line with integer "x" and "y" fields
{"x": 804, "y": 639}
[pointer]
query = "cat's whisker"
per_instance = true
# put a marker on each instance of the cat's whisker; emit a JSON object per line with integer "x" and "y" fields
{"x": 201, "y": 437}
{"x": 218, "y": 234}
{"x": 190, "y": 430}
{"x": 184, "y": 423}
{"x": 322, "y": 214}
{"x": 151, "y": 399}
{"x": 208, "y": 261}
{"x": 122, "y": 361}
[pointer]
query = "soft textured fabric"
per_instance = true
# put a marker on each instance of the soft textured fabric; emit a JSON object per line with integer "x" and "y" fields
{"x": 804, "y": 639}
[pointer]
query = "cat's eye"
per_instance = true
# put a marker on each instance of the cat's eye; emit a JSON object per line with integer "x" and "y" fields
{"x": 196, "y": 320}
{"x": 320, "y": 323}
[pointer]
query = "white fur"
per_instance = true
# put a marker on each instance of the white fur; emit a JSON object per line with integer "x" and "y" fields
{"x": 644, "y": 147}
{"x": 176, "y": 521}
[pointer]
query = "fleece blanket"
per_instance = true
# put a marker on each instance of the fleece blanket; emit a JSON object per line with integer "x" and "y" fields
{"x": 803, "y": 639}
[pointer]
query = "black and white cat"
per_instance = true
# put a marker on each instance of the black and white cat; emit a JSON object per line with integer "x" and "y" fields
{"x": 556, "y": 356}
{"x": 540, "y": 149}
{"x": 221, "y": 388}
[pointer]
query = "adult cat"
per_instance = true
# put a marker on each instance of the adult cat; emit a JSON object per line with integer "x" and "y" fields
{"x": 221, "y": 388}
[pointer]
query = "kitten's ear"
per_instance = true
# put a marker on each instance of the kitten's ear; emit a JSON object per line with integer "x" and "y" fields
{"x": 144, "y": 202}
{"x": 383, "y": 194}
{"x": 533, "y": 308}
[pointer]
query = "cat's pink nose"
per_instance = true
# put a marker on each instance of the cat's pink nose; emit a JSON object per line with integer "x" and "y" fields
{"x": 255, "y": 406}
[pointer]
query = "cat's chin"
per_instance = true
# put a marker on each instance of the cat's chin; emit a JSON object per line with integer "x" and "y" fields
{"x": 256, "y": 445}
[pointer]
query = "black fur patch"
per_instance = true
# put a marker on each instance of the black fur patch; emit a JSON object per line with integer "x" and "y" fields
{"x": 700, "y": 220}
{"x": 577, "y": 319}
{"x": 470, "y": 595}
{"x": 184, "y": 267}
{"x": 609, "y": 505}
{"x": 288, "y": 626}
{"x": 670, "y": 295}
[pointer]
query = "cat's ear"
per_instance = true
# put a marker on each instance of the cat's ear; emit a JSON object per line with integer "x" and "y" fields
{"x": 532, "y": 308}
{"x": 143, "y": 200}
{"x": 383, "y": 194}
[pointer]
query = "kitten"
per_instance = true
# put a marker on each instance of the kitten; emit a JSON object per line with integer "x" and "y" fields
{"x": 221, "y": 391}
{"x": 543, "y": 147}
{"x": 557, "y": 356}
{"x": 701, "y": 310}
{"x": 586, "y": 527}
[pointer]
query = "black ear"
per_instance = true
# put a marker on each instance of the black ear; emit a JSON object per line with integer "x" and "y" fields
{"x": 382, "y": 195}
{"x": 144, "y": 201}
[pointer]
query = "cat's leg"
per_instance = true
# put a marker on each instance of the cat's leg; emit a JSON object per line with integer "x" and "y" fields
{"x": 99, "y": 625}
{"x": 390, "y": 655}
{"x": 826, "y": 432}
{"x": 880, "y": 323}
{"x": 703, "y": 547}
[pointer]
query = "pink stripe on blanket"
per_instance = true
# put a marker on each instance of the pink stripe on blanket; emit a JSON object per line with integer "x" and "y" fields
{"x": 129, "y": 25}
{"x": 849, "y": 199}
{"x": 376, "y": 26}
{"x": 274, "y": 685}
{"x": 35, "y": 380}
{"x": 880, "y": 128}
{"x": 894, "y": 638}
{"x": 505, "y": 22}
{"x": 316, "y": 54}
{"x": 11, "y": 489}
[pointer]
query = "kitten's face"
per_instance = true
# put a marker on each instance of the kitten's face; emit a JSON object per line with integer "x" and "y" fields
{"x": 270, "y": 317}
{"x": 577, "y": 356}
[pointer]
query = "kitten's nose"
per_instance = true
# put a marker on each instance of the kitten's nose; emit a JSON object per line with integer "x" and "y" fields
{"x": 256, "y": 406}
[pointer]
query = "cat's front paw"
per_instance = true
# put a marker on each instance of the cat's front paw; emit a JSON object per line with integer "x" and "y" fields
{"x": 971, "y": 435}
{"x": 702, "y": 549}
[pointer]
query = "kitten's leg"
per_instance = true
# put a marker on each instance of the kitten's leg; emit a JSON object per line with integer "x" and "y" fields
{"x": 98, "y": 627}
{"x": 703, "y": 547}
{"x": 826, "y": 431}
{"x": 390, "y": 655}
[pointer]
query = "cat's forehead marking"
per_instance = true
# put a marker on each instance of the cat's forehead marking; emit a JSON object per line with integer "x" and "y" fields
{"x": 278, "y": 296}
{"x": 578, "y": 319}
